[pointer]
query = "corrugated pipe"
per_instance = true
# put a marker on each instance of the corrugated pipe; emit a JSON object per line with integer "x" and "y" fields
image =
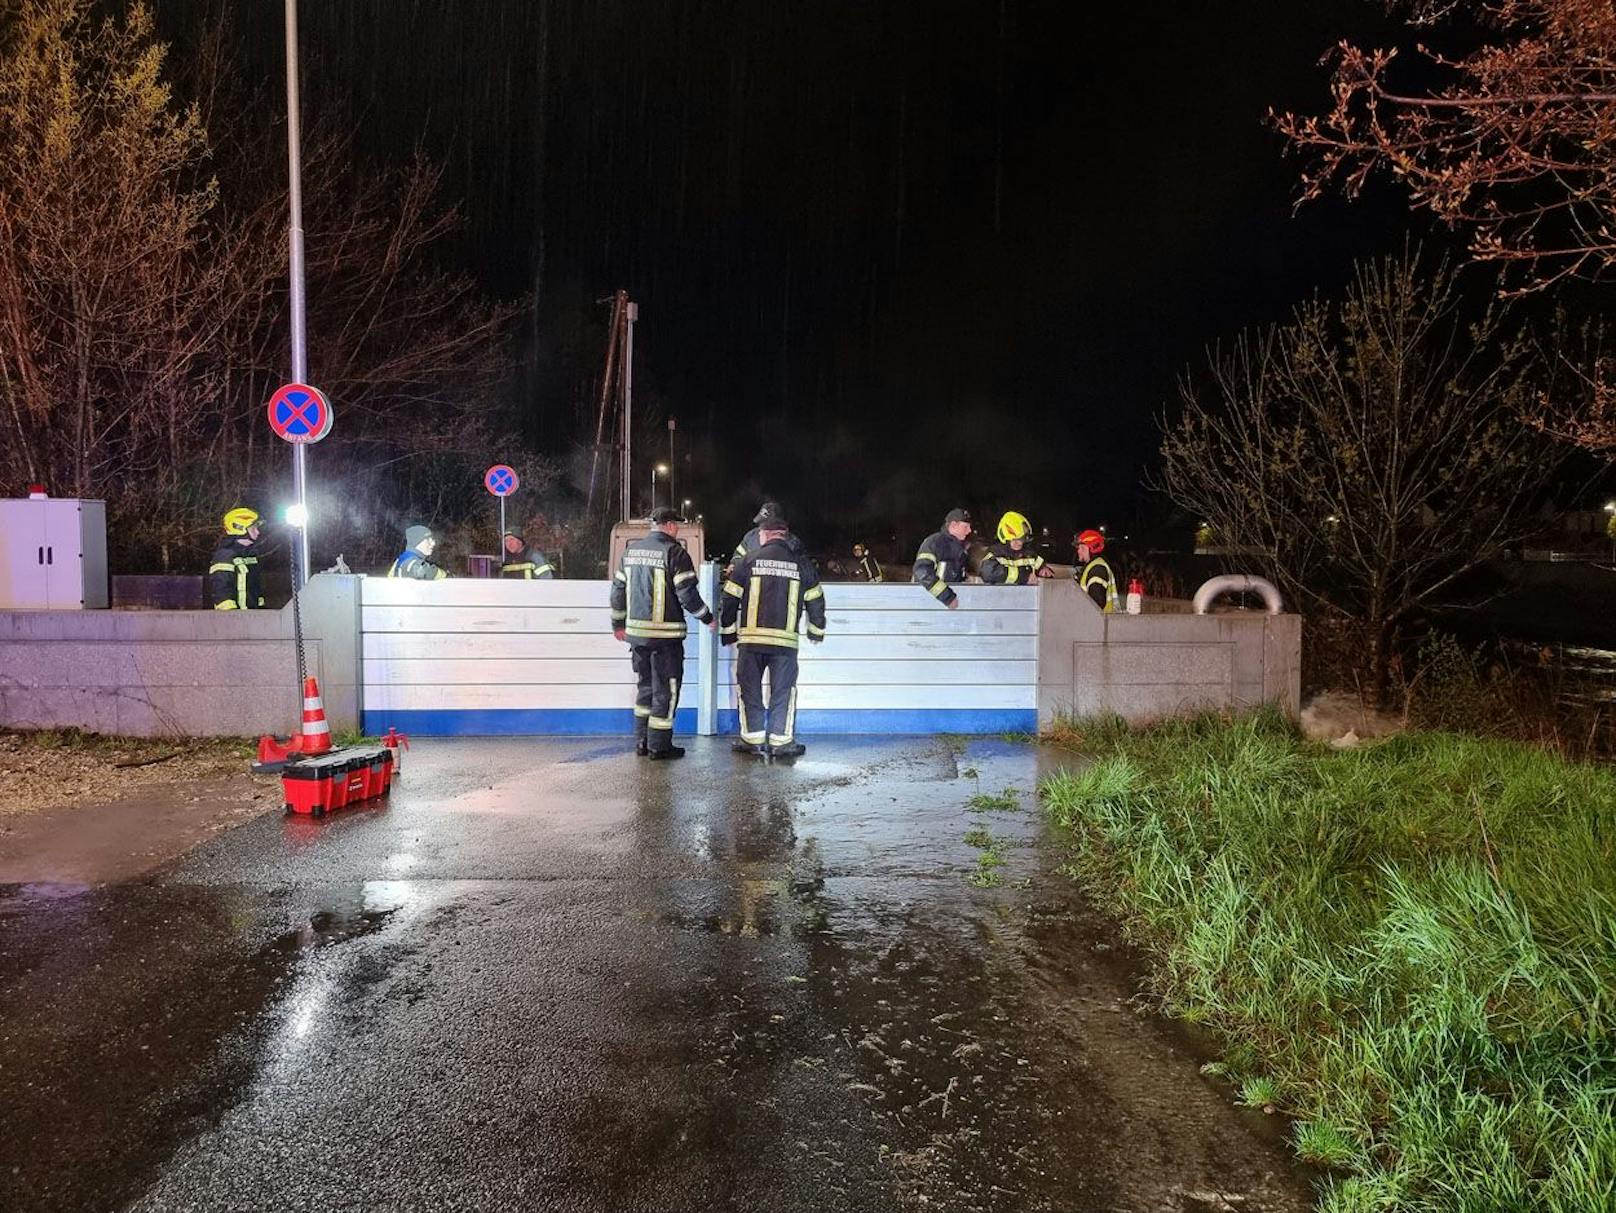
{"x": 1238, "y": 583}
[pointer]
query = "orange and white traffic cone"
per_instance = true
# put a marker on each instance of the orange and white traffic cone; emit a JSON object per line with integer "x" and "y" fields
{"x": 316, "y": 735}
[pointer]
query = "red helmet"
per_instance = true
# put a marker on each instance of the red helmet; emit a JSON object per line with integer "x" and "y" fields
{"x": 1093, "y": 540}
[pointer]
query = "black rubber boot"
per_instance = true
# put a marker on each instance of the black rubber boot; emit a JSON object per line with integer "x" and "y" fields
{"x": 747, "y": 748}
{"x": 795, "y": 750}
{"x": 666, "y": 755}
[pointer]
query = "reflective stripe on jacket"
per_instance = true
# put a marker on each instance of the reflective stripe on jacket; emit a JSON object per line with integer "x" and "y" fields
{"x": 412, "y": 564}
{"x": 753, "y": 539}
{"x": 1004, "y": 566}
{"x": 1098, "y": 572}
{"x": 529, "y": 565}
{"x": 766, "y": 596}
{"x": 641, "y": 603}
{"x": 234, "y": 581}
{"x": 939, "y": 564}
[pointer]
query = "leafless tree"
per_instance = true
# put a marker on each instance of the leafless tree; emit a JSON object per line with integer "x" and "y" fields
{"x": 142, "y": 292}
{"x": 1370, "y": 451}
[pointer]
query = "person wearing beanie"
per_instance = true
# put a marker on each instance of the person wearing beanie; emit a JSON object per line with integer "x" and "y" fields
{"x": 520, "y": 560}
{"x": 653, "y": 588}
{"x": 940, "y": 563}
{"x": 413, "y": 561}
{"x": 753, "y": 539}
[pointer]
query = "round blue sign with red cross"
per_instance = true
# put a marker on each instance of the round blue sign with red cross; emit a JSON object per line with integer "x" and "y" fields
{"x": 500, "y": 480}
{"x": 299, "y": 413}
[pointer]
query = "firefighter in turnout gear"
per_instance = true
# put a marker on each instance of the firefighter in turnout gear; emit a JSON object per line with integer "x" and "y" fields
{"x": 1093, "y": 573}
{"x": 752, "y": 540}
{"x": 234, "y": 582}
{"x": 412, "y": 562}
{"x": 940, "y": 563}
{"x": 655, "y": 584}
{"x": 765, "y": 597}
{"x": 867, "y": 567}
{"x": 520, "y": 560}
{"x": 1011, "y": 561}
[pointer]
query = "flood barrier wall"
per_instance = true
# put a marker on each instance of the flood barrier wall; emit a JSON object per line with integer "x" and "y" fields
{"x": 465, "y": 656}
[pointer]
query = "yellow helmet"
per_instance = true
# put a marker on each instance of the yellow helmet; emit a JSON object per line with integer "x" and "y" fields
{"x": 1014, "y": 526}
{"x": 239, "y": 520}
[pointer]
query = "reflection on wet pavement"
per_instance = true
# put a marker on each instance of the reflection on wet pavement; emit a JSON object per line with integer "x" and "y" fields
{"x": 546, "y": 975}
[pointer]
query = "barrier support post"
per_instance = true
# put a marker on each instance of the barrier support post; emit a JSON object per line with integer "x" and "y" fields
{"x": 707, "y": 657}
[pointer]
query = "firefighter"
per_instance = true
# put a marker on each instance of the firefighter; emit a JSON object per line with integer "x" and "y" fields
{"x": 868, "y": 567}
{"x": 234, "y": 582}
{"x": 751, "y": 541}
{"x": 766, "y": 595}
{"x": 1092, "y": 571}
{"x": 413, "y": 561}
{"x": 520, "y": 560}
{"x": 940, "y": 563}
{"x": 652, "y": 619}
{"x": 1011, "y": 561}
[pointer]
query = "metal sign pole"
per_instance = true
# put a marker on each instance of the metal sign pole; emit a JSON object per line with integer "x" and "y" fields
{"x": 502, "y": 528}
{"x": 300, "y": 358}
{"x": 632, "y": 313}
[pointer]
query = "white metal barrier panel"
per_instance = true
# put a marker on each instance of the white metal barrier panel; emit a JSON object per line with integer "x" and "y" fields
{"x": 895, "y": 660}
{"x": 480, "y": 656}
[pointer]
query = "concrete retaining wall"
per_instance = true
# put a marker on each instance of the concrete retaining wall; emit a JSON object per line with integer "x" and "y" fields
{"x": 179, "y": 673}
{"x": 1143, "y": 667}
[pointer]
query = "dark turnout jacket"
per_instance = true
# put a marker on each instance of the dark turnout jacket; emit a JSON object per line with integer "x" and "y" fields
{"x": 766, "y": 596}
{"x": 655, "y": 584}
{"x": 234, "y": 581}
{"x": 753, "y": 539}
{"x": 529, "y": 563}
{"x": 1005, "y": 566}
{"x": 939, "y": 564}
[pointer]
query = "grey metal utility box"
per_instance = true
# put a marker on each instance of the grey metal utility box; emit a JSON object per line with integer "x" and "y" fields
{"x": 53, "y": 554}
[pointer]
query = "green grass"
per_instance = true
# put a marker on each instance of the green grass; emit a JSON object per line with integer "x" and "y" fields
{"x": 991, "y": 859}
{"x": 1409, "y": 948}
{"x": 1007, "y": 801}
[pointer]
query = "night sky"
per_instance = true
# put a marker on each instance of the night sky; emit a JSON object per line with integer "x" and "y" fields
{"x": 891, "y": 255}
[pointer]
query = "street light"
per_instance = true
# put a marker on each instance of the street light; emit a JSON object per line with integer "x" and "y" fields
{"x": 686, "y": 508}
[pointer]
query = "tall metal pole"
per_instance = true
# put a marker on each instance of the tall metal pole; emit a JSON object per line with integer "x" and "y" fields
{"x": 628, "y": 401}
{"x": 673, "y": 468}
{"x": 300, "y": 354}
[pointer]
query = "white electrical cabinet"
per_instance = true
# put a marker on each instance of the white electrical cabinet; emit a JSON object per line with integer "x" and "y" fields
{"x": 53, "y": 554}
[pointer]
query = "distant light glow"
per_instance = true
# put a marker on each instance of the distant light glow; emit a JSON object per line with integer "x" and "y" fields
{"x": 296, "y": 515}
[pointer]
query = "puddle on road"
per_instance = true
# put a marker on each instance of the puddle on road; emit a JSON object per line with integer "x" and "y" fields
{"x": 138, "y": 1016}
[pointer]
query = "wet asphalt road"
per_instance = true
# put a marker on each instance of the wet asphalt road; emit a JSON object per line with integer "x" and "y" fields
{"x": 546, "y": 975}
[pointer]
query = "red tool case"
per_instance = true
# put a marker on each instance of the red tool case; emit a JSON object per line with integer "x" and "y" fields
{"x": 335, "y": 780}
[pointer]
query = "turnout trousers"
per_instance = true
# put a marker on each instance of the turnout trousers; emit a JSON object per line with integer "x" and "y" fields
{"x": 658, "y": 666}
{"x": 778, "y": 724}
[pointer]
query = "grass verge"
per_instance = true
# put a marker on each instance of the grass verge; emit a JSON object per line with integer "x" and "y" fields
{"x": 1411, "y": 949}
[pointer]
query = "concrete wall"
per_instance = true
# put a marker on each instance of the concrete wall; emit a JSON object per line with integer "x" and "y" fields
{"x": 179, "y": 673}
{"x": 1142, "y": 667}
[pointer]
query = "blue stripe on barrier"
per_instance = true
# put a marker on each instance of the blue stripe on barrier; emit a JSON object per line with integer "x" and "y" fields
{"x": 606, "y": 722}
